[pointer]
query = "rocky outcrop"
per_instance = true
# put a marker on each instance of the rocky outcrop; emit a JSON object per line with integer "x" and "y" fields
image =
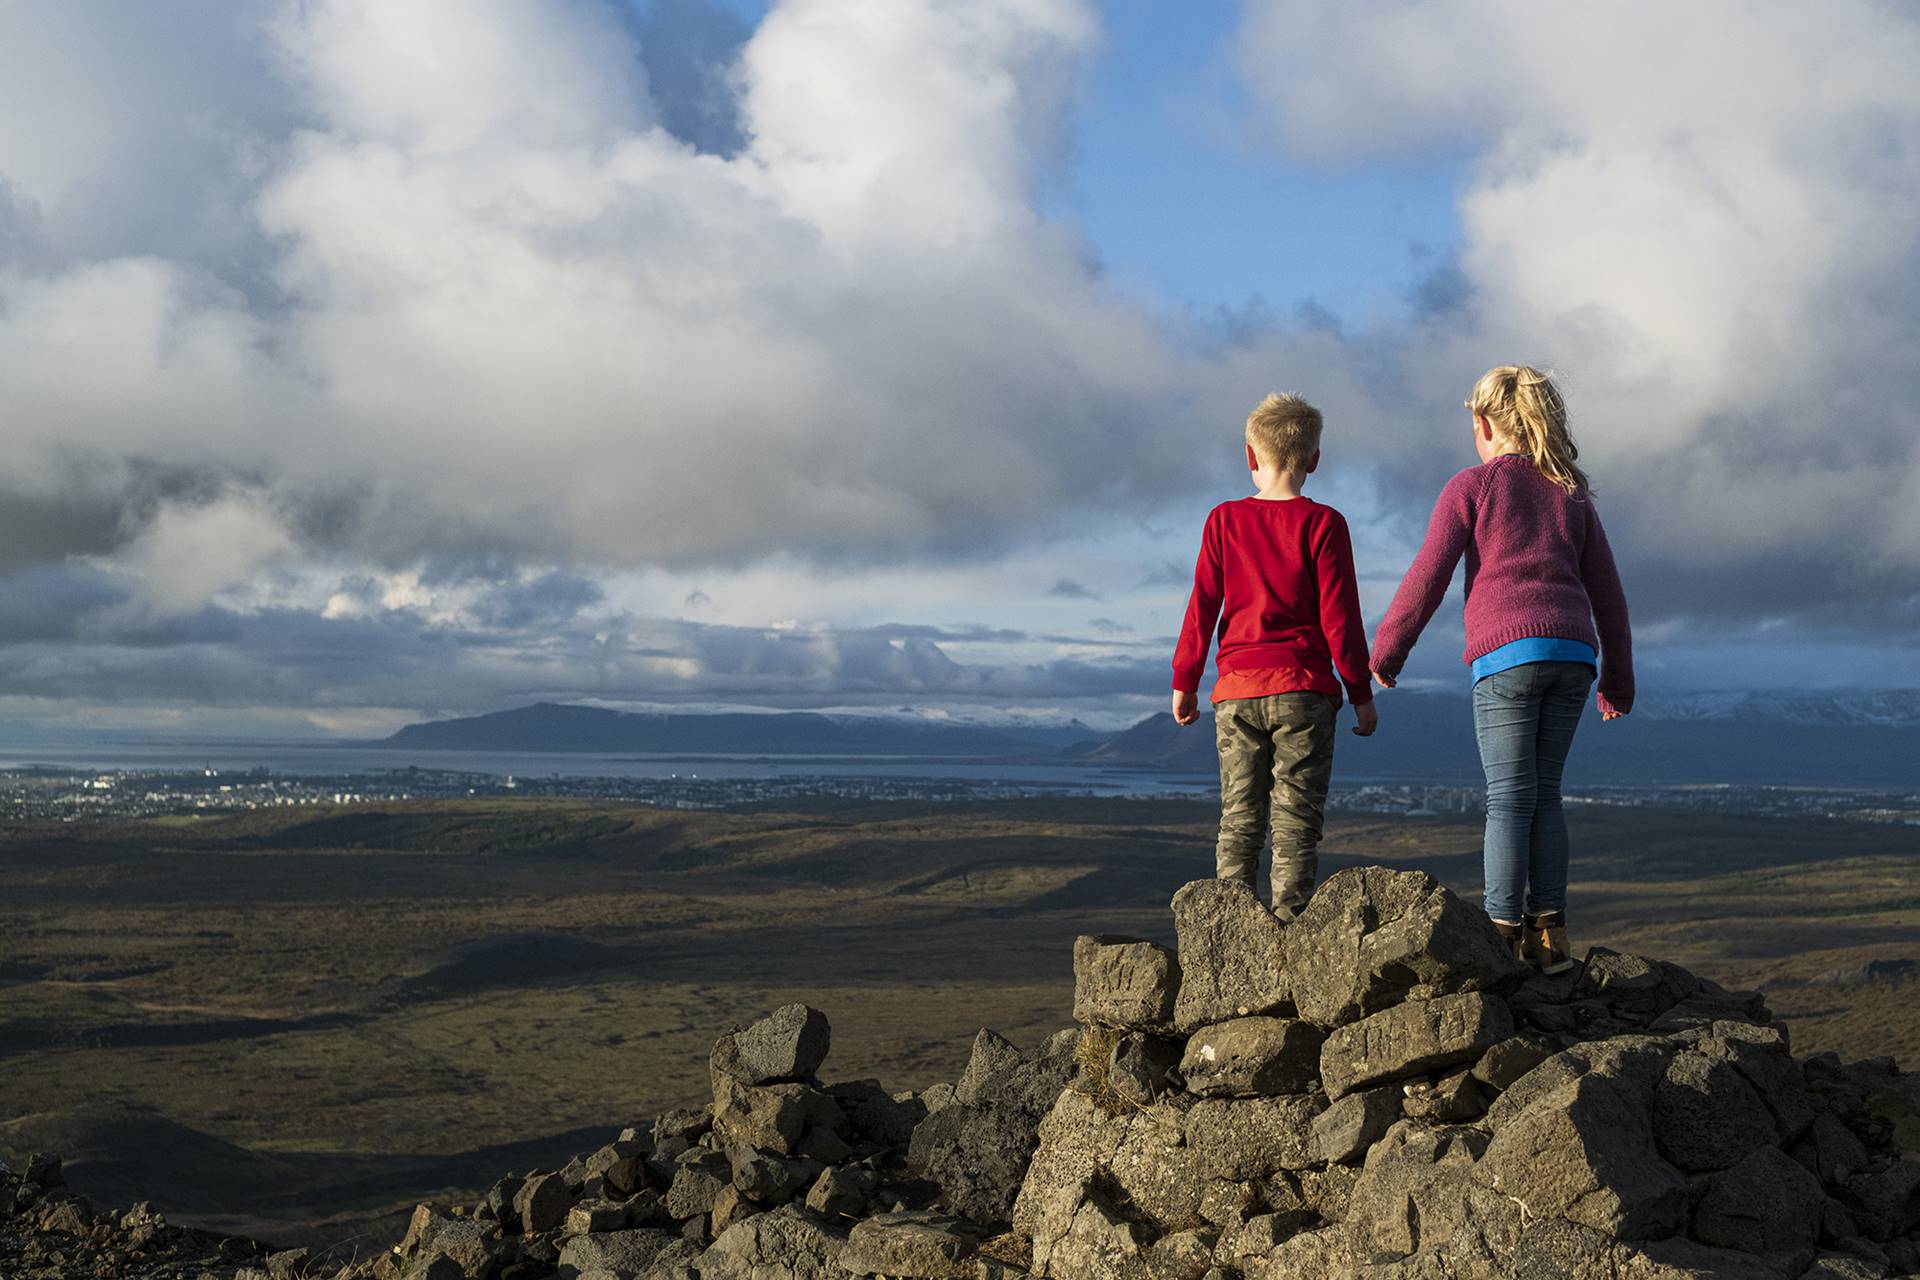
{"x": 1371, "y": 1091}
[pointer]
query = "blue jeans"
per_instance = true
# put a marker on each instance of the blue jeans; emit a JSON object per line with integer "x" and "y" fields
{"x": 1524, "y": 718}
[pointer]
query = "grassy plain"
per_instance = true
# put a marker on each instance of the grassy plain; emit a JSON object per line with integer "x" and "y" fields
{"x": 273, "y": 1020}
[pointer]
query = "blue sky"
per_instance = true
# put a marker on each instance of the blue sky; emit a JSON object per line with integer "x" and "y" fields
{"x": 371, "y": 362}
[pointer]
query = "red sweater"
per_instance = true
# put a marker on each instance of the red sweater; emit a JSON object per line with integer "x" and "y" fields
{"x": 1278, "y": 576}
{"x": 1538, "y": 564}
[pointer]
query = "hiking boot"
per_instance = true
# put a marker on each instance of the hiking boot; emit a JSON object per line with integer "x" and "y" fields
{"x": 1546, "y": 942}
{"x": 1514, "y": 938}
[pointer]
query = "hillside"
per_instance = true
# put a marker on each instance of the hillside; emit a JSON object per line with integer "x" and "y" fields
{"x": 1429, "y": 737}
{"x": 551, "y": 726}
{"x": 1378, "y": 1090}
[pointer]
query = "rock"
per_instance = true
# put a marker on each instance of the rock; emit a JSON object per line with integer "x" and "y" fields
{"x": 729, "y": 1207}
{"x": 1124, "y": 982}
{"x": 993, "y": 1055}
{"x": 979, "y": 1153}
{"x": 698, "y": 1184}
{"x": 1140, "y": 1156}
{"x": 1080, "y": 1235}
{"x": 1345, "y": 1130}
{"x": 1512, "y": 1058}
{"x": 1633, "y": 988}
{"x": 1412, "y": 1191}
{"x": 1325, "y": 1254}
{"x": 881, "y": 1118}
{"x": 622, "y": 1165}
{"x": 1328, "y": 1192}
{"x": 288, "y": 1264}
{"x": 937, "y": 1097}
{"x": 595, "y": 1215}
{"x": 769, "y": 1179}
{"x": 467, "y": 1243}
{"x": 1411, "y": 1039}
{"x": 1843, "y": 1266}
{"x": 1578, "y": 1143}
{"x": 623, "y": 1253}
{"x": 1249, "y": 1057}
{"x": 917, "y": 1243}
{"x": 841, "y": 1193}
{"x": 1238, "y": 1138}
{"x": 1451, "y": 1099}
{"x": 1225, "y": 1204}
{"x": 823, "y": 1145}
{"x": 1766, "y": 1204}
{"x": 67, "y": 1218}
{"x": 1232, "y": 955}
{"x": 772, "y": 1117}
{"x": 782, "y": 1243}
{"x": 1371, "y": 937}
{"x": 1248, "y": 1245}
{"x": 1706, "y": 1116}
{"x": 1830, "y": 1151}
{"x": 1760, "y": 1054}
{"x": 1143, "y": 1068}
{"x": 1889, "y": 1200}
{"x": 788, "y": 1044}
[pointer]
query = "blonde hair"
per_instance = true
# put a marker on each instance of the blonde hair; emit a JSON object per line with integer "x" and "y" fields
{"x": 1526, "y": 410}
{"x": 1284, "y": 431}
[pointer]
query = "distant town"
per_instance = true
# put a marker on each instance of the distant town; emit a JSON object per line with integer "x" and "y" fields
{"x": 60, "y": 794}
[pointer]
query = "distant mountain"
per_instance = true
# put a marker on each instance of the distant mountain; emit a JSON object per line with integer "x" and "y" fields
{"x": 550, "y": 726}
{"x": 1827, "y": 740}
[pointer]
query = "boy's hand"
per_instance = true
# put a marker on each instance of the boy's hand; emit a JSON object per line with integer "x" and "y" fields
{"x": 1384, "y": 681}
{"x": 1186, "y": 707}
{"x": 1368, "y": 717}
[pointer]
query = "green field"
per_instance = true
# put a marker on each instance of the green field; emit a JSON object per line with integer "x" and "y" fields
{"x": 270, "y": 1022}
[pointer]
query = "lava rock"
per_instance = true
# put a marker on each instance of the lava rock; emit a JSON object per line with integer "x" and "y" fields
{"x": 1411, "y": 1039}
{"x": 1371, "y": 937}
{"x": 1250, "y": 1057}
{"x": 1143, "y": 1068}
{"x": 1766, "y": 1204}
{"x": 1124, "y": 982}
{"x": 1233, "y": 960}
{"x": 788, "y": 1044}
{"x": 1238, "y": 1138}
{"x": 919, "y": 1244}
{"x": 1706, "y": 1116}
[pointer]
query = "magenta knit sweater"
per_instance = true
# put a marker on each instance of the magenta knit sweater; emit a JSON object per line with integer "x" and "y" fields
{"x": 1538, "y": 564}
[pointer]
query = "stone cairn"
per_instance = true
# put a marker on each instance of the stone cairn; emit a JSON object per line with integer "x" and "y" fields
{"x": 1375, "y": 1090}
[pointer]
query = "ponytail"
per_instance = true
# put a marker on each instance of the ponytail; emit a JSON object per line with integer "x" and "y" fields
{"x": 1526, "y": 409}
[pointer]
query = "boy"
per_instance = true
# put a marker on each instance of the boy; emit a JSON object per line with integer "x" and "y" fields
{"x": 1276, "y": 571}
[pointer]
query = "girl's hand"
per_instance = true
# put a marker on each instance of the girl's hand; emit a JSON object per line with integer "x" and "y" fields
{"x": 1383, "y": 680}
{"x": 1186, "y": 707}
{"x": 1611, "y": 714}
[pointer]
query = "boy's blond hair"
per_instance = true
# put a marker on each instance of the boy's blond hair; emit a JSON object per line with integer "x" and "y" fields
{"x": 1284, "y": 431}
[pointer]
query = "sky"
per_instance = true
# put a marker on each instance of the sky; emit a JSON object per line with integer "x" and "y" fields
{"x": 362, "y": 363}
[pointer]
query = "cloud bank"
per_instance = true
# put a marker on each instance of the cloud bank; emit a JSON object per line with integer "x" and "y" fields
{"x": 337, "y": 334}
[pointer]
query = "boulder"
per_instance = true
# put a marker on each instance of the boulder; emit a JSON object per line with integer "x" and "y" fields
{"x": 916, "y": 1243}
{"x": 1249, "y": 1057}
{"x": 622, "y": 1165}
{"x": 1634, "y": 989}
{"x": 1143, "y": 1068}
{"x": 781, "y": 1242}
{"x": 1124, "y": 982}
{"x": 1412, "y": 1191}
{"x": 1760, "y": 1055}
{"x": 595, "y": 1215}
{"x": 841, "y": 1193}
{"x": 729, "y": 1207}
{"x": 1579, "y": 1143}
{"x": 1372, "y": 937}
{"x": 1238, "y": 1138}
{"x": 623, "y": 1253}
{"x": 773, "y": 1117}
{"x": 1889, "y": 1200}
{"x": 542, "y": 1203}
{"x": 1512, "y": 1058}
{"x": 1083, "y": 1235}
{"x": 1140, "y": 1156}
{"x": 769, "y": 1179}
{"x": 1452, "y": 1098}
{"x": 877, "y": 1116}
{"x": 993, "y": 1055}
{"x": 1232, "y": 954}
{"x": 1345, "y": 1130}
{"x": 978, "y": 1153}
{"x": 788, "y": 1044}
{"x": 1830, "y": 1151}
{"x": 1412, "y": 1038}
{"x": 1706, "y": 1116}
{"x": 698, "y": 1184}
{"x": 1766, "y": 1204}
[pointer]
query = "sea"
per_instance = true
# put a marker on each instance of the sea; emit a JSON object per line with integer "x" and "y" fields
{"x": 312, "y": 759}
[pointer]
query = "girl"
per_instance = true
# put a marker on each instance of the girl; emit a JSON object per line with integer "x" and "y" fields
{"x": 1544, "y": 610}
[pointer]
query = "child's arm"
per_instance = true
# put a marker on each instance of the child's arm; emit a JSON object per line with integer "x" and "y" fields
{"x": 1609, "y": 601}
{"x": 1340, "y": 621}
{"x": 1425, "y": 586}
{"x": 1196, "y": 632}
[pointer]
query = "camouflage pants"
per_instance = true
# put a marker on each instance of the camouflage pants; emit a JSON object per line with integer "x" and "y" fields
{"x": 1276, "y": 758}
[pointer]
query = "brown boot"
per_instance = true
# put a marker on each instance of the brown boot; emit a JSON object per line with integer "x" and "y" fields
{"x": 1514, "y": 938}
{"x": 1546, "y": 942}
